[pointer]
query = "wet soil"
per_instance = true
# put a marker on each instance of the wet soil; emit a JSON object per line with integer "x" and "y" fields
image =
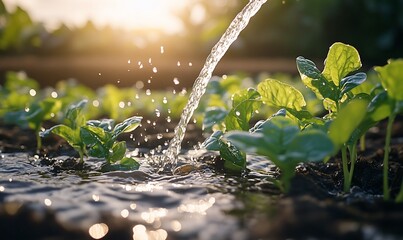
{"x": 244, "y": 207}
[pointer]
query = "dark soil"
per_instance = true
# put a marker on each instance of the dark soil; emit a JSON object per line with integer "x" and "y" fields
{"x": 315, "y": 207}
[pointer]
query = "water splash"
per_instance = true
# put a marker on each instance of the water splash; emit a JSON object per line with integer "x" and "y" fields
{"x": 169, "y": 159}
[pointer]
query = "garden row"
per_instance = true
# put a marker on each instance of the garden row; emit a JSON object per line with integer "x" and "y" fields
{"x": 329, "y": 113}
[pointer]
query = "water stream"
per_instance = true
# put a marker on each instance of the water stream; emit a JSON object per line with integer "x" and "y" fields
{"x": 169, "y": 159}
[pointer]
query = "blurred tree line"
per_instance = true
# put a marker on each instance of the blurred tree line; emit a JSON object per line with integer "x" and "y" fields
{"x": 281, "y": 29}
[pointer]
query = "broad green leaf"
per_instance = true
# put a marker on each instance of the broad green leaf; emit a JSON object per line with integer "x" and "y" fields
{"x": 310, "y": 146}
{"x": 347, "y": 120}
{"x": 282, "y": 95}
{"x": 380, "y": 107}
{"x": 392, "y": 78}
{"x": 351, "y": 82}
{"x": 316, "y": 81}
{"x": 99, "y": 151}
{"x": 129, "y": 163}
{"x": 341, "y": 60}
{"x": 93, "y": 135}
{"x": 118, "y": 152}
{"x": 244, "y": 105}
{"x": 105, "y": 124}
{"x": 67, "y": 133}
{"x": 127, "y": 125}
{"x": 235, "y": 160}
{"x": 214, "y": 115}
{"x": 74, "y": 117}
{"x": 213, "y": 142}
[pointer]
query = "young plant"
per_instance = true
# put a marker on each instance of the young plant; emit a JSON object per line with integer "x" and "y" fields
{"x": 70, "y": 131}
{"x": 101, "y": 136}
{"x": 282, "y": 142}
{"x": 343, "y": 133}
{"x": 244, "y": 105}
{"x": 34, "y": 116}
{"x": 391, "y": 78}
{"x": 333, "y": 85}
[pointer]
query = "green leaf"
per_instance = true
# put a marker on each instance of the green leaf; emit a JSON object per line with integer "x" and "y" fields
{"x": 282, "y": 95}
{"x": 244, "y": 105}
{"x": 214, "y": 115}
{"x": 313, "y": 79}
{"x": 341, "y": 60}
{"x": 93, "y": 135}
{"x": 118, "y": 152}
{"x": 351, "y": 82}
{"x": 127, "y": 125}
{"x": 66, "y": 133}
{"x": 99, "y": 151}
{"x": 310, "y": 146}
{"x": 347, "y": 120}
{"x": 105, "y": 124}
{"x": 74, "y": 117}
{"x": 392, "y": 78}
{"x": 213, "y": 142}
{"x": 380, "y": 107}
{"x": 129, "y": 163}
{"x": 235, "y": 160}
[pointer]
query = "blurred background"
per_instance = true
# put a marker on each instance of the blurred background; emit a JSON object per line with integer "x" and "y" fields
{"x": 126, "y": 41}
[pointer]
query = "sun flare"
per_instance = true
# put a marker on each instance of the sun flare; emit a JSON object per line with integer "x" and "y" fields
{"x": 128, "y": 14}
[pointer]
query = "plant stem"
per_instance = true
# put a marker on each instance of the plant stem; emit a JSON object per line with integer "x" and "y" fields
{"x": 346, "y": 173}
{"x": 399, "y": 197}
{"x": 386, "y": 192}
{"x": 353, "y": 158}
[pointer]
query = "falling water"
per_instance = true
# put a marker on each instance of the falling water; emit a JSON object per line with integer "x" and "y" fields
{"x": 169, "y": 159}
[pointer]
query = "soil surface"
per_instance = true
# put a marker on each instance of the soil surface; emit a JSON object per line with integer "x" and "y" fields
{"x": 315, "y": 207}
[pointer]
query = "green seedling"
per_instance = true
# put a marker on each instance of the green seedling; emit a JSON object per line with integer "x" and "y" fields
{"x": 281, "y": 140}
{"x": 342, "y": 131}
{"x": 244, "y": 105}
{"x": 101, "y": 136}
{"x": 334, "y": 84}
{"x": 18, "y": 92}
{"x": 70, "y": 131}
{"x": 34, "y": 116}
{"x": 391, "y": 78}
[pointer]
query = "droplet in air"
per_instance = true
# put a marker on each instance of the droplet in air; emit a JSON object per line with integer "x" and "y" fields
{"x": 32, "y": 92}
{"x": 190, "y": 64}
{"x": 162, "y": 49}
{"x": 148, "y": 92}
{"x": 128, "y": 61}
{"x": 178, "y": 64}
{"x": 155, "y": 70}
{"x": 176, "y": 81}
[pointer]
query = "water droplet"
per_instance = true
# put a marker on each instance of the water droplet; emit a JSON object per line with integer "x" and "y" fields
{"x": 122, "y": 104}
{"x": 176, "y": 226}
{"x": 141, "y": 66}
{"x": 162, "y": 49}
{"x": 95, "y": 103}
{"x": 194, "y": 120}
{"x": 32, "y": 92}
{"x": 47, "y": 202}
{"x": 95, "y": 197}
{"x": 148, "y": 92}
{"x": 137, "y": 96}
{"x": 149, "y": 81}
{"x": 224, "y": 76}
{"x": 133, "y": 206}
{"x": 155, "y": 70}
{"x": 168, "y": 119}
{"x": 165, "y": 100}
{"x": 54, "y": 94}
{"x": 128, "y": 61}
{"x": 159, "y": 136}
{"x": 149, "y": 61}
{"x": 178, "y": 64}
{"x": 99, "y": 74}
{"x": 190, "y": 64}
{"x": 237, "y": 113}
{"x": 157, "y": 113}
{"x": 124, "y": 213}
{"x": 98, "y": 230}
{"x": 176, "y": 81}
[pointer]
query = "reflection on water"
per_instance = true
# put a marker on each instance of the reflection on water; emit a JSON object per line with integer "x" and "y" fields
{"x": 149, "y": 205}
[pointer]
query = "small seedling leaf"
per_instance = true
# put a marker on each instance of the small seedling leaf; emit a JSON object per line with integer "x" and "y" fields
{"x": 214, "y": 115}
{"x": 118, "y": 152}
{"x": 127, "y": 125}
{"x": 244, "y": 105}
{"x": 392, "y": 78}
{"x": 341, "y": 60}
{"x": 351, "y": 82}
